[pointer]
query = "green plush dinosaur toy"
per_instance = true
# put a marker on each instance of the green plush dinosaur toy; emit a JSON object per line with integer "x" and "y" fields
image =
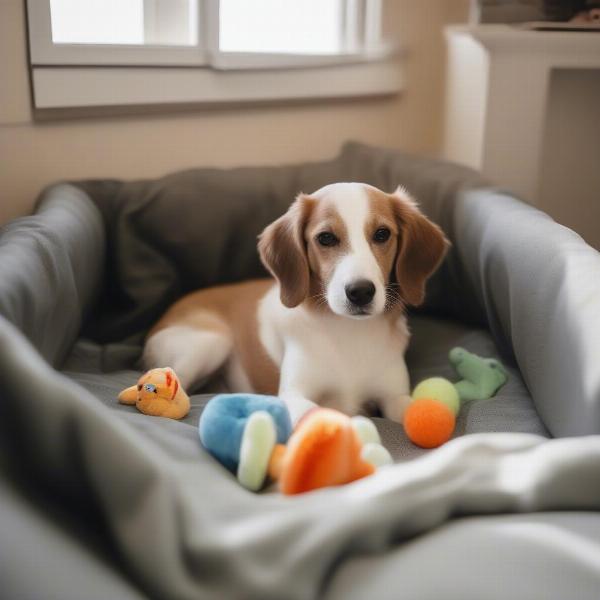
{"x": 482, "y": 377}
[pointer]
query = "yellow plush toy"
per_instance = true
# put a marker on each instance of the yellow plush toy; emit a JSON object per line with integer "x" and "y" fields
{"x": 158, "y": 393}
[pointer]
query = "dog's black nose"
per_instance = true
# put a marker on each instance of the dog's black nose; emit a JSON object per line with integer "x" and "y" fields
{"x": 361, "y": 292}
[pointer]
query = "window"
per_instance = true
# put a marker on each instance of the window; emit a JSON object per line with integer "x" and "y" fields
{"x": 223, "y": 38}
{"x": 136, "y": 22}
{"x": 115, "y": 32}
{"x": 109, "y": 22}
{"x": 288, "y": 27}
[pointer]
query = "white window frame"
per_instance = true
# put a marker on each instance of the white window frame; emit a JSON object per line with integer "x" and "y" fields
{"x": 361, "y": 42}
{"x": 67, "y": 75}
{"x": 44, "y": 52}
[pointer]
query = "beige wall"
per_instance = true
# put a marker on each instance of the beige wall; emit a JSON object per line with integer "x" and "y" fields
{"x": 33, "y": 154}
{"x": 570, "y": 173}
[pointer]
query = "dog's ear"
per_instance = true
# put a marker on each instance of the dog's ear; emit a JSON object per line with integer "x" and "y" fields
{"x": 421, "y": 248}
{"x": 283, "y": 251}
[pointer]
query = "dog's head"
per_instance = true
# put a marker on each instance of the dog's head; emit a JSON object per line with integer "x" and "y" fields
{"x": 354, "y": 249}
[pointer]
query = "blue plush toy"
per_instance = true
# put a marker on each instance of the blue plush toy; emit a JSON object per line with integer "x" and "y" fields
{"x": 241, "y": 431}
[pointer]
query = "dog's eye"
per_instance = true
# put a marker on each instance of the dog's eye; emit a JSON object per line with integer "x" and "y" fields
{"x": 150, "y": 387}
{"x": 381, "y": 235}
{"x": 327, "y": 239}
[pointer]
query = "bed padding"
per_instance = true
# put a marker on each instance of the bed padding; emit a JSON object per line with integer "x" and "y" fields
{"x": 156, "y": 516}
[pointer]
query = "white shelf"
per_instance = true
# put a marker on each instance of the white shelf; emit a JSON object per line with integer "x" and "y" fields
{"x": 497, "y": 92}
{"x": 565, "y": 48}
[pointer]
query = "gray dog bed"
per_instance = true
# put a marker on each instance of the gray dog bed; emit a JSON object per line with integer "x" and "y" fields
{"x": 100, "y": 501}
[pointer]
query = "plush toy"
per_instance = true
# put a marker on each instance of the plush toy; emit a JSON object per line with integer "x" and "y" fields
{"x": 328, "y": 448}
{"x": 158, "y": 393}
{"x": 252, "y": 435}
{"x": 430, "y": 418}
{"x": 429, "y": 421}
{"x": 482, "y": 377}
{"x": 241, "y": 431}
{"x": 247, "y": 433}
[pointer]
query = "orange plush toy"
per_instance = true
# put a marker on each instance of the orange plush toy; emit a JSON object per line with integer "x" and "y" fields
{"x": 327, "y": 448}
{"x": 251, "y": 436}
{"x": 429, "y": 423}
{"x": 158, "y": 393}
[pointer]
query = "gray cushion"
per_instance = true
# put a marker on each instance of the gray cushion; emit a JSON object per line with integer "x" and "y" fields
{"x": 46, "y": 553}
{"x": 534, "y": 556}
{"x": 51, "y": 266}
{"x": 198, "y": 228}
{"x": 540, "y": 286}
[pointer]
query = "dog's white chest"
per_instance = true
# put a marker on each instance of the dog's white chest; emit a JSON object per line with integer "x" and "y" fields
{"x": 336, "y": 361}
{"x": 348, "y": 367}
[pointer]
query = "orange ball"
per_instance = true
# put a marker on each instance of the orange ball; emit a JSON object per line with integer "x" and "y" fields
{"x": 428, "y": 422}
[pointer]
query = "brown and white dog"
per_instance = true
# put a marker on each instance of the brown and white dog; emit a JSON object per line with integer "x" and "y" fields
{"x": 331, "y": 330}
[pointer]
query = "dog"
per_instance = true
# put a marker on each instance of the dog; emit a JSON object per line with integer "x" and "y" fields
{"x": 330, "y": 329}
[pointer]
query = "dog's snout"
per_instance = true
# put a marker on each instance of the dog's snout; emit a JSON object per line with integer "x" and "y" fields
{"x": 361, "y": 292}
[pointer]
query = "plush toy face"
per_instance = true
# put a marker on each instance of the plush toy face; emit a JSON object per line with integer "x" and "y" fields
{"x": 158, "y": 393}
{"x": 496, "y": 370}
{"x": 474, "y": 368}
{"x": 157, "y": 384}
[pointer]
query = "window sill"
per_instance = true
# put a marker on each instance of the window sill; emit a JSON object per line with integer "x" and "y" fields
{"x": 105, "y": 87}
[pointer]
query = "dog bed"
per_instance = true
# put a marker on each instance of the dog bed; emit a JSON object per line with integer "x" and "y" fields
{"x": 101, "y": 501}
